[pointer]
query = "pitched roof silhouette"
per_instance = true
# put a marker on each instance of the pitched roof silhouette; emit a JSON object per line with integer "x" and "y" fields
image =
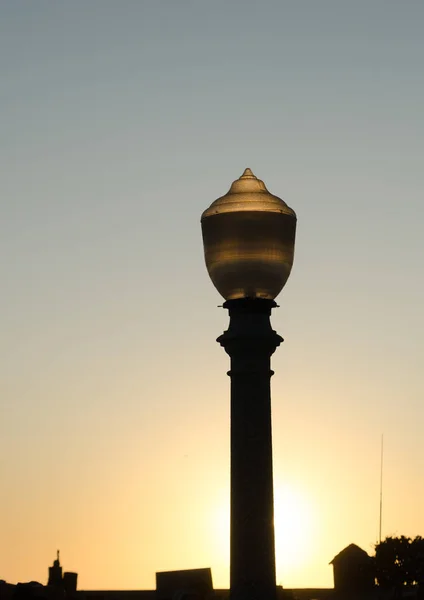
{"x": 351, "y": 552}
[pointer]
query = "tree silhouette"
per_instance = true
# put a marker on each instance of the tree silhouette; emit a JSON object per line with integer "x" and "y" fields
{"x": 399, "y": 562}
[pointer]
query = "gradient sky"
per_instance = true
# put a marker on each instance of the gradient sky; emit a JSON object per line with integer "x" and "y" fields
{"x": 120, "y": 122}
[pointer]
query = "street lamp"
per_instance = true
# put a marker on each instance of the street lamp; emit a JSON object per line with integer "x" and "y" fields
{"x": 248, "y": 238}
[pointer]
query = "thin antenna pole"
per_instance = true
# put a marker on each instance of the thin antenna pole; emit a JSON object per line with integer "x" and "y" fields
{"x": 381, "y": 489}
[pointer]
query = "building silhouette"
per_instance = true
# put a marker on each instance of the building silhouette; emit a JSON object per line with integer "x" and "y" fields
{"x": 192, "y": 584}
{"x": 353, "y": 571}
{"x": 62, "y": 581}
{"x": 55, "y": 572}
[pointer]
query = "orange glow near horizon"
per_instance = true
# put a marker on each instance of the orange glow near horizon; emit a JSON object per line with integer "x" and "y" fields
{"x": 295, "y": 526}
{"x": 295, "y": 521}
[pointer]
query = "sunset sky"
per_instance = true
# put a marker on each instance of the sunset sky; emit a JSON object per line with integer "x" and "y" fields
{"x": 120, "y": 122}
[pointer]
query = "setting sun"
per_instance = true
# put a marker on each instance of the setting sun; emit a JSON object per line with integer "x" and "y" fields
{"x": 294, "y": 521}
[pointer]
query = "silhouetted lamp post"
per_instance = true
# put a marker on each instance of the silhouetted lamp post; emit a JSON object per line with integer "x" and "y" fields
{"x": 248, "y": 238}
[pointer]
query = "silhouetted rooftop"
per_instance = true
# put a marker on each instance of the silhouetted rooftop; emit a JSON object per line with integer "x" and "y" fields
{"x": 351, "y": 551}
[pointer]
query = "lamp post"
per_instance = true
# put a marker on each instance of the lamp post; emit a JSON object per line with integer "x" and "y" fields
{"x": 248, "y": 238}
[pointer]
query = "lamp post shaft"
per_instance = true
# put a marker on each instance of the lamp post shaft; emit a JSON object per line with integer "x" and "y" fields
{"x": 250, "y": 341}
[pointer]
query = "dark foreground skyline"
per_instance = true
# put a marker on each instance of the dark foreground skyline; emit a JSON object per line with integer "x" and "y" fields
{"x": 394, "y": 572}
